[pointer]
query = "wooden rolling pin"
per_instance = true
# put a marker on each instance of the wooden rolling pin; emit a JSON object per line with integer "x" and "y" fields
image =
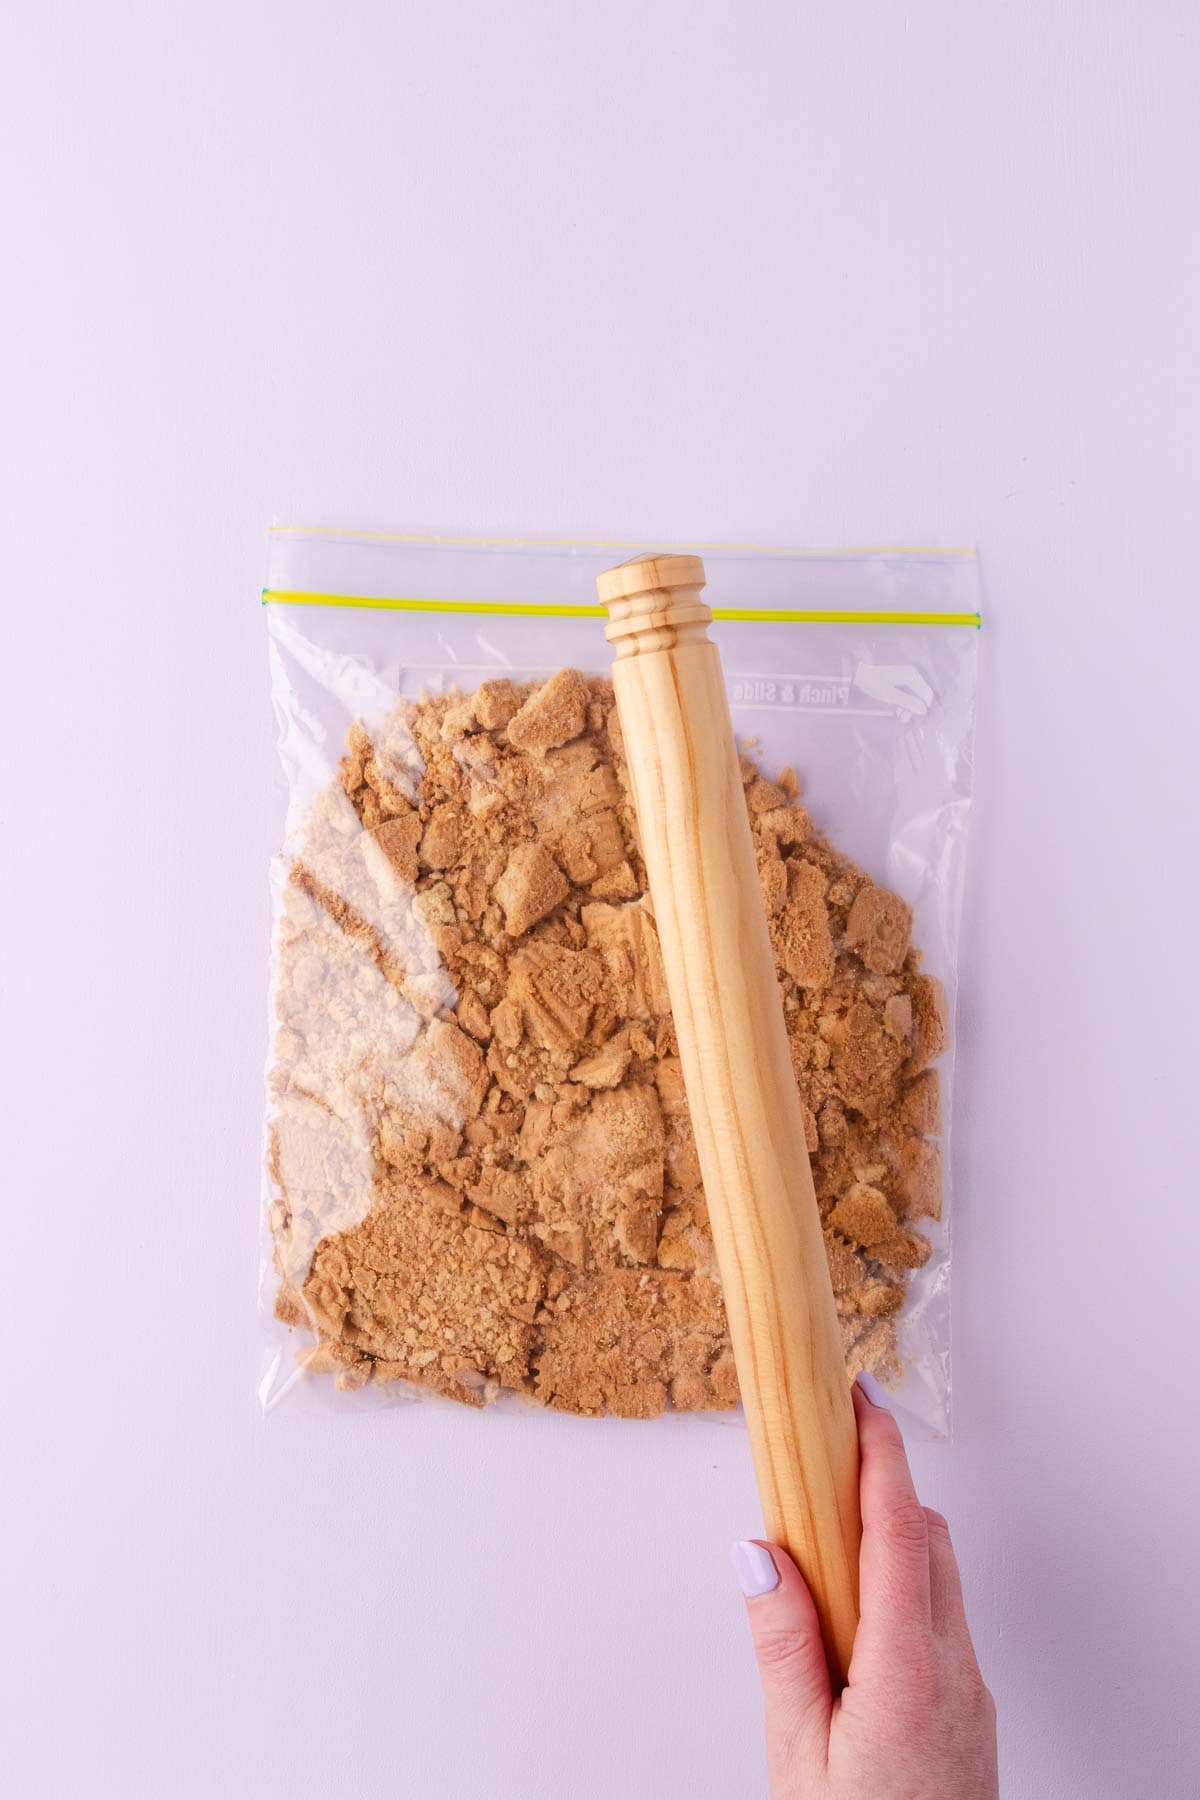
{"x": 720, "y": 969}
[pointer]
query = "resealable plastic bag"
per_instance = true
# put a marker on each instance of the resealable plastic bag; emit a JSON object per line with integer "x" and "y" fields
{"x": 479, "y": 1174}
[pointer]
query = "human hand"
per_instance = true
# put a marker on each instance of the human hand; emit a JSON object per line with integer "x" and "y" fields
{"x": 915, "y": 1721}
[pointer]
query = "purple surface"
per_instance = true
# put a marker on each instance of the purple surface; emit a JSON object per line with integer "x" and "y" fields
{"x": 793, "y": 275}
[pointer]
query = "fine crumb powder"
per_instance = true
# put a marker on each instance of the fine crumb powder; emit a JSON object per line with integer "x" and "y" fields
{"x": 483, "y": 1163}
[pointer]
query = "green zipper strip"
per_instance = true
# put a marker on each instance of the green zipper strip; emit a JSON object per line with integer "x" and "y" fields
{"x": 763, "y": 615}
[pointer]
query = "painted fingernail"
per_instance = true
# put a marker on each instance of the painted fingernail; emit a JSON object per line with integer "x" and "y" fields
{"x": 754, "y": 1568}
{"x": 874, "y": 1393}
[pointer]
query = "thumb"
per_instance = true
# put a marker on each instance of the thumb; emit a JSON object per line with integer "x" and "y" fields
{"x": 797, "y": 1697}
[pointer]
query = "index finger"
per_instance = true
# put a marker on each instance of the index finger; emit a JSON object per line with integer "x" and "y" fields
{"x": 894, "y": 1560}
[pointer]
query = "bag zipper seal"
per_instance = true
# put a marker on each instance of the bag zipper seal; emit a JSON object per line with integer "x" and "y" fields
{"x": 742, "y": 615}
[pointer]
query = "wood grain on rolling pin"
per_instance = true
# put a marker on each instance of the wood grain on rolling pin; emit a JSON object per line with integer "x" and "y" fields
{"x": 741, "y": 1090}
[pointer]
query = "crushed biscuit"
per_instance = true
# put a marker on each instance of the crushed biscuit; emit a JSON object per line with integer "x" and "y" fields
{"x": 495, "y": 703}
{"x": 531, "y": 886}
{"x": 878, "y": 928}
{"x": 921, "y": 1104}
{"x": 929, "y": 1020}
{"x": 485, "y": 1176}
{"x": 552, "y": 714}
{"x": 800, "y": 927}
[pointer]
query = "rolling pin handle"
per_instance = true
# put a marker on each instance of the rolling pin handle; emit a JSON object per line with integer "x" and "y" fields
{"x": 654, "y": 603}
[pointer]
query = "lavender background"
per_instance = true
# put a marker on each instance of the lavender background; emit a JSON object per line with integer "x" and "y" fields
{"x": 796, "y": 275}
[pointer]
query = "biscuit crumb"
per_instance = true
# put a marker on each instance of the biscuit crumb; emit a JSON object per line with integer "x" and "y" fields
{"x": 929, "y": 1020}
{"x": 552, "y": 714}
{"x": 878, "y": 928}
{"x": 484, "y": 1172}
{"x": 531, "y": 886}
{"x": 800, "y": 928}
{"x": 495, "y": 704}
{"x": 921, "y": 1103}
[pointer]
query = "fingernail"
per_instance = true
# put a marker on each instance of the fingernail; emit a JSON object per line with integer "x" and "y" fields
{"x": 754, "y": 1568}
{"x": 874, "y": 1393}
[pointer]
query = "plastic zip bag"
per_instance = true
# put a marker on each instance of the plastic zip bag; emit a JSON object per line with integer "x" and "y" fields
{"x": 478, "y": 1179}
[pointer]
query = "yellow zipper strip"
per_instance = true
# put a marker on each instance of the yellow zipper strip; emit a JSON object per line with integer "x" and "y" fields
{"x": 764, "y": 615}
